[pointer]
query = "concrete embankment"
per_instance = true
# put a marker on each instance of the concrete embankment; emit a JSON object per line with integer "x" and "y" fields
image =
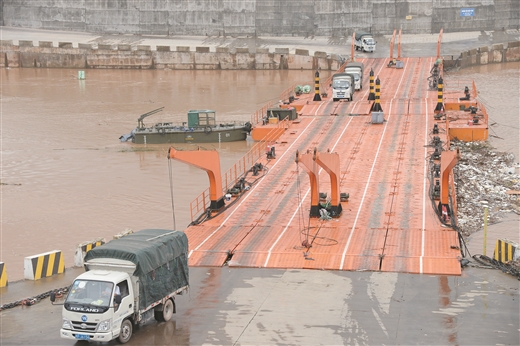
{"x": 123, "y": 56}
{"x": 49, "y": 54}
{"x": 497, "y": 53}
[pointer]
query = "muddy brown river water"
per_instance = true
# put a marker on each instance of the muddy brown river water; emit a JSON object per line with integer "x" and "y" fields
{"x": 66, "y": 177}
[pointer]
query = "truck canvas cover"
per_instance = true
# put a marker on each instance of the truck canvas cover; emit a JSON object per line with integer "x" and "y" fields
{"x": 356, "y": 65}
{"x": 342, "y": 75}
{"x": 160, "y": 256}
{"x": 361, "y": 34}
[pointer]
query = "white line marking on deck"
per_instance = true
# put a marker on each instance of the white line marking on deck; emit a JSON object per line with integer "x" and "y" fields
{"x": 249, "y": 194}
{"x": 369, "y": 177}
{"x": 423, "y": 234}
{"x": 298, "y": 207}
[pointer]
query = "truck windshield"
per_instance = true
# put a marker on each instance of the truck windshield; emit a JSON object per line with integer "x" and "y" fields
{"x": 369, "y": 41}
{"x": 94, "y": 293}
{"x": 340, "y": 84}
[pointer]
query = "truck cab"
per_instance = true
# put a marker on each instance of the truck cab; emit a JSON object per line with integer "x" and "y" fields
{"x": 365, "y": 42}
{"x": 368, "y": 44}
{"x": 342, "y": 87}
{"x": 96, "y": 305}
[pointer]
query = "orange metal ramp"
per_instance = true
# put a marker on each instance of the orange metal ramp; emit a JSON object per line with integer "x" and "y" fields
{"x": 406, "y": 248}
{"x": 207, "y": 258}
{"x": 422, "y": 265}
{"x": 388, "y": 223}
{"x": 429, "y": 265}
{"x": 313, "y": 260}
{"x": 361, "y": 107}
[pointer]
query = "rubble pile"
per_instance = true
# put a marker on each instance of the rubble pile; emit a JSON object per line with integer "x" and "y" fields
{"x": 482, "y": 178}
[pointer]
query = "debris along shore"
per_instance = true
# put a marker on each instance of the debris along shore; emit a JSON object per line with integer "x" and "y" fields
{"x": 483, "y": 178}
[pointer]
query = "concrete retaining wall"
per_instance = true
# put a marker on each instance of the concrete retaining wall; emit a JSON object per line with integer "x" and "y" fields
{"x": 333, "y": 18}
{"x": 63, "y": 55}
{"x": 497, "y": 53}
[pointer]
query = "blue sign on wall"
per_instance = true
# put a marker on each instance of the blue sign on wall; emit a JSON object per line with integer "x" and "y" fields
{"x": 467, "y": 12}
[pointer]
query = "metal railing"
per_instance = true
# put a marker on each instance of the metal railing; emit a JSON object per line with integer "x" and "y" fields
{"x": 256, "y": 118}
{"x": 200, "y": 204}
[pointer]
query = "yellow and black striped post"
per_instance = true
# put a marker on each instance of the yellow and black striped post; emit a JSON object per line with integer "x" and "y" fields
{"x": 505, "y": 251}
{"x": 44, "y": 265}
{"x": 317, "y": 96}
{"x": 439, "y": 106}
{"x": 371, "y": 96}
{"x": 3, "y": 275}
{"x": 376, "y": 106}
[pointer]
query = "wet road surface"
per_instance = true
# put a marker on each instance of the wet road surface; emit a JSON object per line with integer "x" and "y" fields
{"x": 232, "y": 306}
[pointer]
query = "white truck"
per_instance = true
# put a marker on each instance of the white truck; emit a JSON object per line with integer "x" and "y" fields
{"x": 125, "y": 281}
{"x": 356, "y": 69}
{"x": 365, "y": 42}
{"x": 342, "y": 87}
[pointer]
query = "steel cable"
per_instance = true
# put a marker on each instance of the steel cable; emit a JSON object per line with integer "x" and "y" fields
{"x": 35, "y": 299}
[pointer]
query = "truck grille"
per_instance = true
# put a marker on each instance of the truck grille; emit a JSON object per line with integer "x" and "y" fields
{"x": 84, "y": 326}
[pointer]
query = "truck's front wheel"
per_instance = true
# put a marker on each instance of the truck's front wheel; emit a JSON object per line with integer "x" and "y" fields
{"x": 126, "y": 331}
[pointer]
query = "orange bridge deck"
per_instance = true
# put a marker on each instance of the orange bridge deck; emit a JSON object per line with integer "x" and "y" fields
{"x": 389, "y": 222}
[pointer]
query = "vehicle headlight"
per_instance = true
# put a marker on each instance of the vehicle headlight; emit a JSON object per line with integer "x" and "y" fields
{"x": 104, "y": 326}
{"x": 66, "y": 324}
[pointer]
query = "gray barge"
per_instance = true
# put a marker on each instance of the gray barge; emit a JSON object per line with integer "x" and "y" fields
{"x": 201, "y": 127}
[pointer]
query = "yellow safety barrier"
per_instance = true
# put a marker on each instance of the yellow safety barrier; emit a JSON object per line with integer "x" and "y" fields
{"x": 44, "y": 265}
{"x": 3, "y": 275}
{"x": 83, "y": 248}
{"x": 506, "y": 251}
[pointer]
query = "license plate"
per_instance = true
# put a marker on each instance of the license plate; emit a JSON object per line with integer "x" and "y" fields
{"x": 82, "y": 337}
